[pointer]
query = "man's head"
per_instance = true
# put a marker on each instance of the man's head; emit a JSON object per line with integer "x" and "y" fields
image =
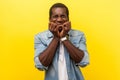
{"x": 59, "y": 13}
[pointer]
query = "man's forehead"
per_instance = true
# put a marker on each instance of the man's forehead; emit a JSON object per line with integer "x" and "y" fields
{"x": 59, "y": 9}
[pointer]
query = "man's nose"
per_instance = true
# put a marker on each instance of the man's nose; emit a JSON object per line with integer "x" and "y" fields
{"x": 59, "y": 19}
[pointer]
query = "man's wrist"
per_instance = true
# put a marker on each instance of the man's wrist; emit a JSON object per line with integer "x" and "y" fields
{"x": 64, "y": 38}
{"x": 56, "y": 38}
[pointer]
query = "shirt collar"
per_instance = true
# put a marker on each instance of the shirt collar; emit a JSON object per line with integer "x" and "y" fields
{"x": 49, "y": 34}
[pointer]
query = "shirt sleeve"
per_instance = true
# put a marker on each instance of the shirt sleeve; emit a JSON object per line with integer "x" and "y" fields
{"x": 38, "y": 47}
{"x": 82, "y": 46}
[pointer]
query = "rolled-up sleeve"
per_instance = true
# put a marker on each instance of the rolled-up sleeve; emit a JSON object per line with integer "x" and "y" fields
{"x": 82, "y": 46}
{"x": 39, "y": 47}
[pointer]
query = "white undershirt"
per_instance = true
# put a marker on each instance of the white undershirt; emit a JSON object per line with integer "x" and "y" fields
{"x": 62, "y": 70}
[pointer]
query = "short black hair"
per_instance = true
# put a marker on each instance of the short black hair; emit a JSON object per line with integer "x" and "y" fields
{"x": 56, "y": 5}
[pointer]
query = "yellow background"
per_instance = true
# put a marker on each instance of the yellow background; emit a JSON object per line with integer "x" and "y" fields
{"x": 20, "y": 20}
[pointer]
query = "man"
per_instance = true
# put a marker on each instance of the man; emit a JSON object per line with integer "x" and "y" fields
{"x": 60, "y": 50}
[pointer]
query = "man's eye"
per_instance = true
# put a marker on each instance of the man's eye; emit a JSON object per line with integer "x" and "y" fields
{"x": 55, "y": 16}
{"x": 63, "y": 16}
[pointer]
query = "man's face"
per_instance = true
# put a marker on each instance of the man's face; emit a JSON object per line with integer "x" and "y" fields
{"x": 59, "y": 16}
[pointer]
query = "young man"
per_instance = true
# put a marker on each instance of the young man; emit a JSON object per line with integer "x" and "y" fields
{"x": 60, "y": 50}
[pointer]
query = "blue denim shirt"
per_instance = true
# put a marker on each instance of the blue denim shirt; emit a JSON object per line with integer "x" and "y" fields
{"x": 43, "y": 39}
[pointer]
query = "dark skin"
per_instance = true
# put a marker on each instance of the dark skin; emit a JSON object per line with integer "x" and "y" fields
{"x": 59, "y": 25}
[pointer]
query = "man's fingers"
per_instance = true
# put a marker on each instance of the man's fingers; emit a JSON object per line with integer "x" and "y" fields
{"x": 60, "y": 30}
{"x": 67, "y": 25}
{"x": 52, "y": 26}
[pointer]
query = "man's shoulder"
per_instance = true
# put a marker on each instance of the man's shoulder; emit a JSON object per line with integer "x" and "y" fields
{"x": 42, "y": 34}
{"x": 74, "y": 32}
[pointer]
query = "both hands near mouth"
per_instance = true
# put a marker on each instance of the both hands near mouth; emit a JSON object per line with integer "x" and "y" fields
{"x": 60, "y": 30}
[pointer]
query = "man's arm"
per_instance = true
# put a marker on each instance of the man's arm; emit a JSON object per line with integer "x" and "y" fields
{"x": 75, "y": 53}
{"x": 47, "y": 55}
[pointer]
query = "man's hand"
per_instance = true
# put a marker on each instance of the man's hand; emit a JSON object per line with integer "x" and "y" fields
{"x": 60, "y": 30}
{"x": 67, "y": 26}
{"x": 54, "y": 29}
{"x": 65, "y": 29}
